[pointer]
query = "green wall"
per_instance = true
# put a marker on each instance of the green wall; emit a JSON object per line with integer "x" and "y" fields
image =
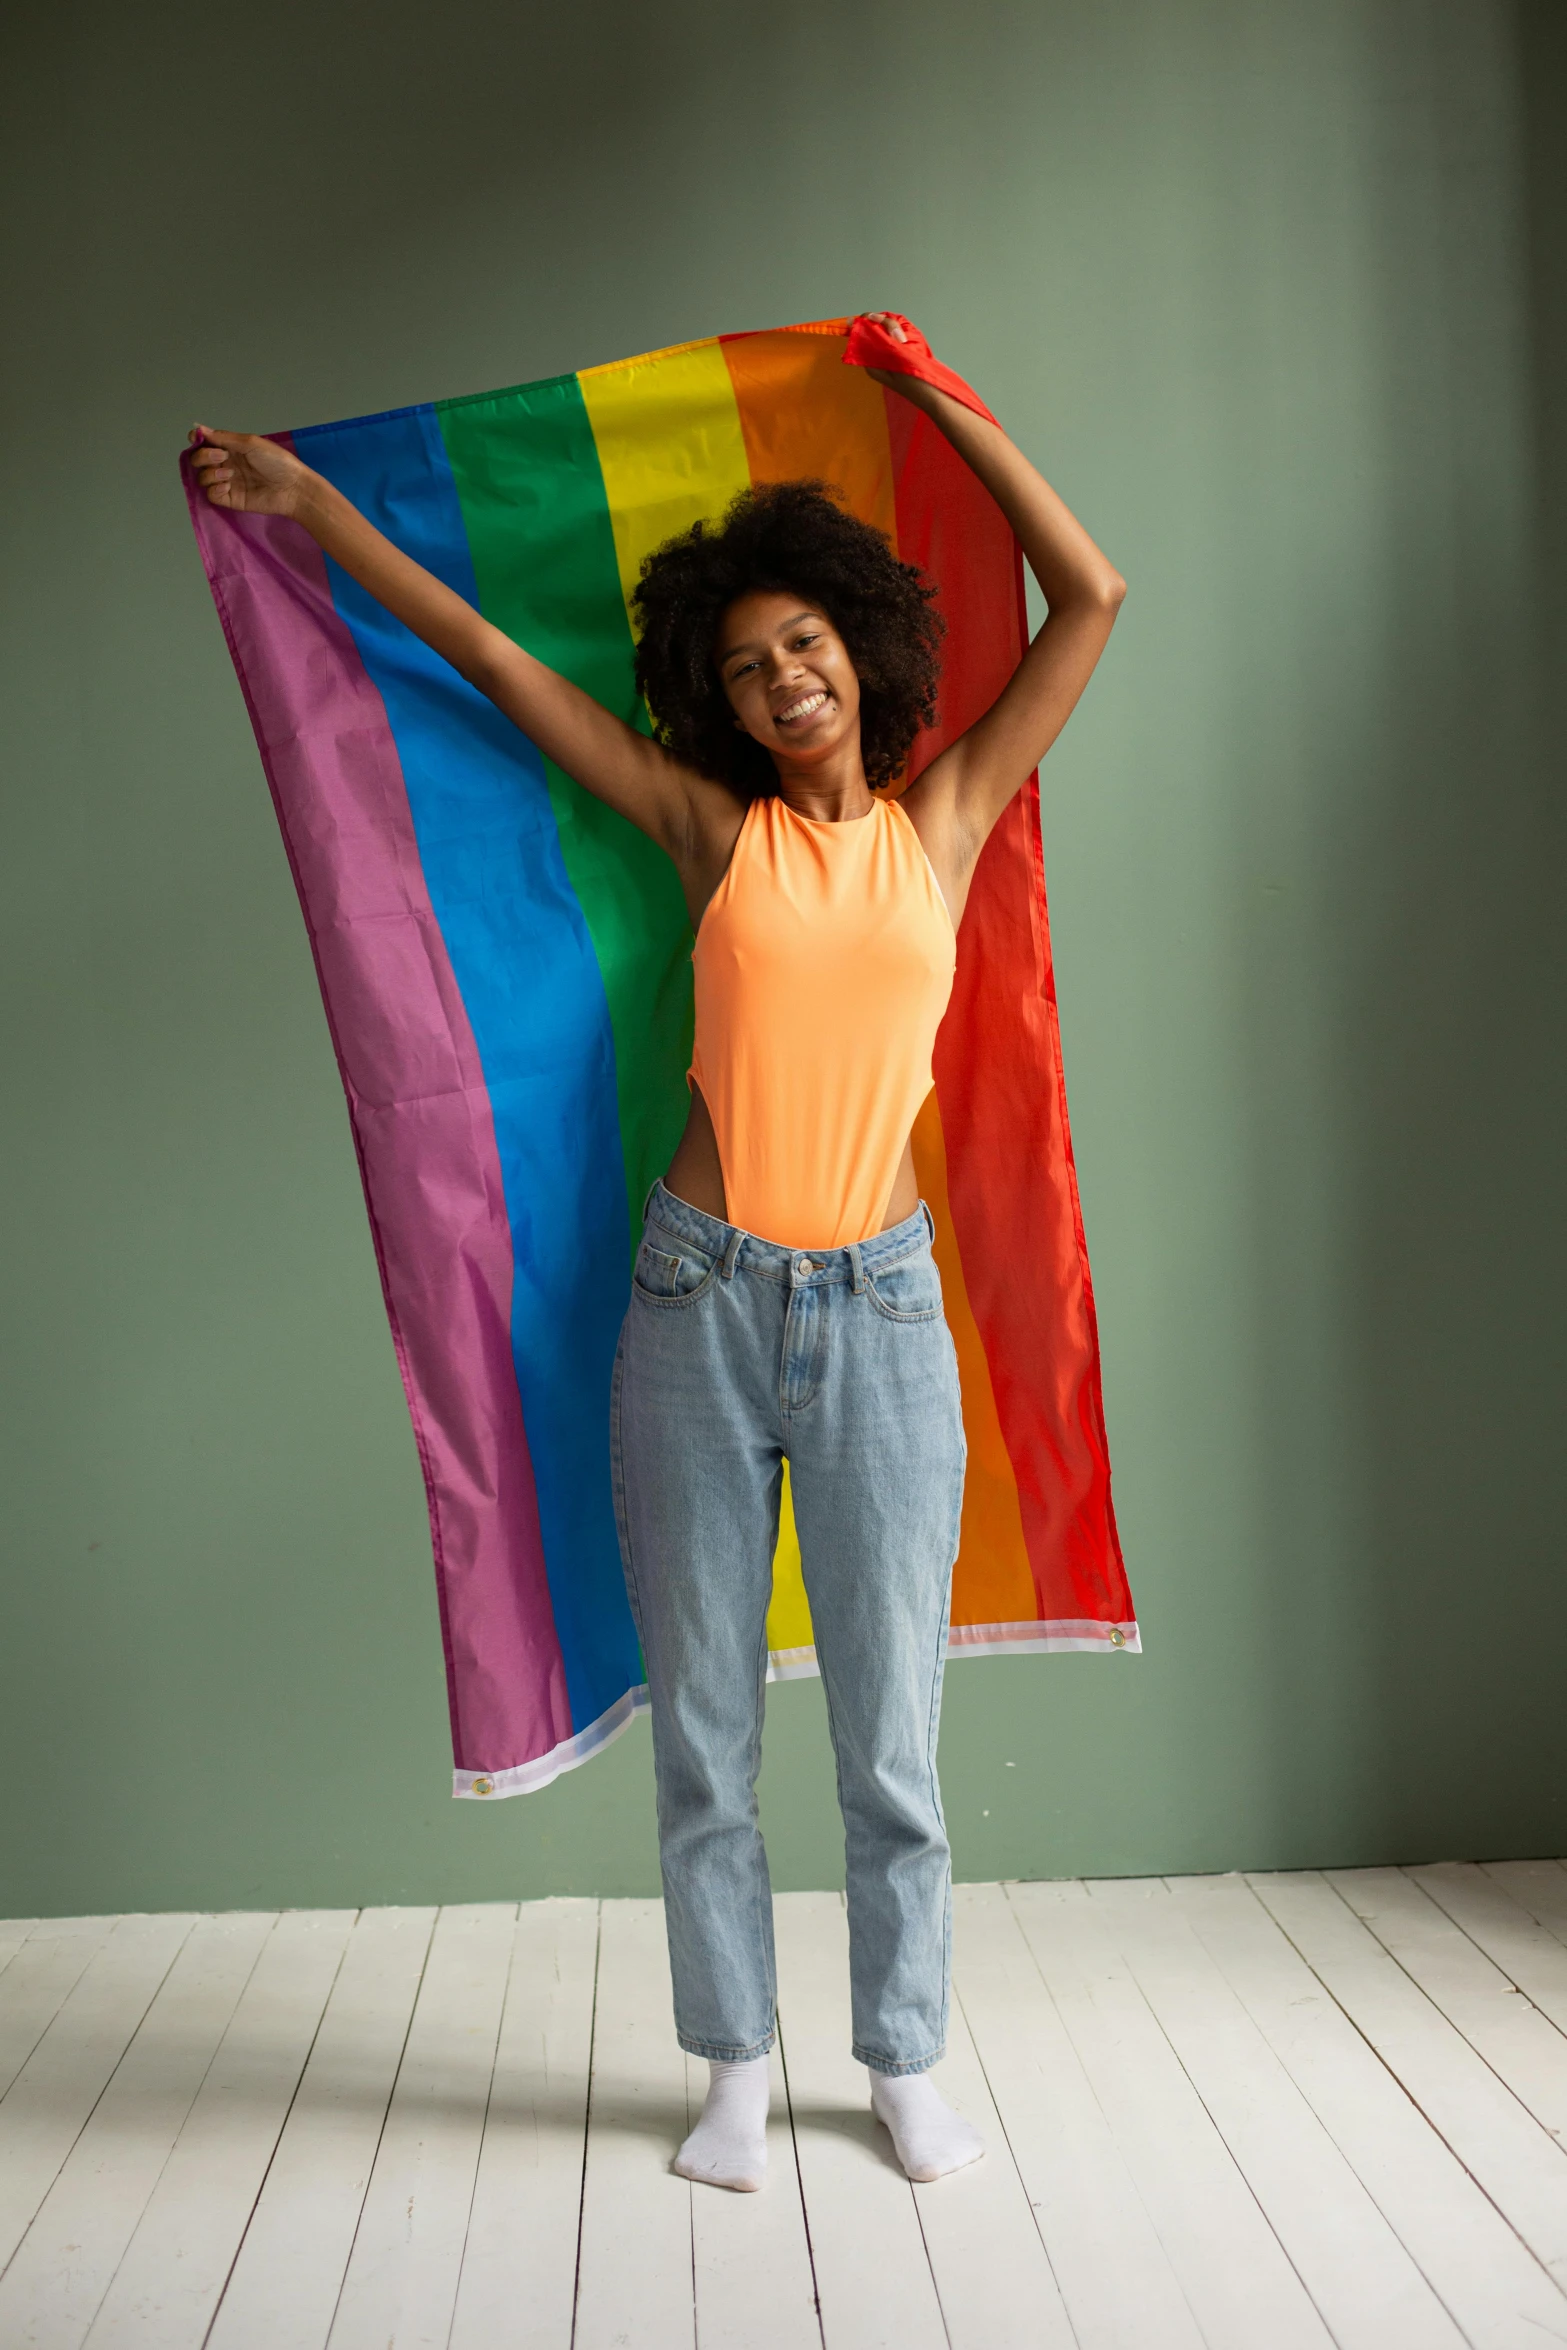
{"x": 1273, "y": 290}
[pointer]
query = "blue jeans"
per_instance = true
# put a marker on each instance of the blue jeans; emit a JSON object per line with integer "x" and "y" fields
{"x": 735, "y": 1355}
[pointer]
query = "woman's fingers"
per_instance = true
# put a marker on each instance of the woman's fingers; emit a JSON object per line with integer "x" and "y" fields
{"x": 215, "y": 453}
{"x": 217, "y": 470}
{"x": 222, "y": 467}
{"x": 245, "y": 471}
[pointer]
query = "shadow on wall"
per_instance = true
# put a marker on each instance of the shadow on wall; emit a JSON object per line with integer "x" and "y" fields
{"x": 1412, "y": 1586}
{"x": 1455, "y": 1052}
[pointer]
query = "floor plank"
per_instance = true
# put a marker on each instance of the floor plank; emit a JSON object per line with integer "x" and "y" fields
{"x": 401, "y": 2282}
{"x": 38, "y": 1981}
{"x": 873, "y": 2275}
{"x": 1478, "y": 1997}
{"x": 1117, "y": 2285}
{"x": 48, "y": 2104}
{"x": 1539, "y": 1886}
{"x": 1295, "y": 2110}
{"x": 1526, "y": 1952}
{"x": 993, "y": 2275}
{"x": 755, "y": 2287}
{"x": 283, "y": 2290}
{"x": 1497, "y": 2292}
{"x": 1370, "y": 2293}
{"x": 1503, "y": 2147}
{"x": 635, "y": 2274}
{"x": 519, "y": 2269}
{"x": 66, "y": 2263}
{"x": 167, "y": 2286}
{"x": 1235, "y": 2274}
{"x": 13, "y": 1933}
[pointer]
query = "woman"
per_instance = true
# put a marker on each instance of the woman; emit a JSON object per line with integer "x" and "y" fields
{"x": 785, "y": 1303}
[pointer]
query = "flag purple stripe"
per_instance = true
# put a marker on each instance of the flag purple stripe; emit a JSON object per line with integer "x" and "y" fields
{"x": 421, "y": 1121}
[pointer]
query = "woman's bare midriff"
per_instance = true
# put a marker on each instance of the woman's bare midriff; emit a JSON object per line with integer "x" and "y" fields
{"x": 696, "y": 1172}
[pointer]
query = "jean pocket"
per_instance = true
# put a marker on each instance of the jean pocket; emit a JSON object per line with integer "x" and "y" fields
{"x": 909, "y": 1291}
{"x": 670, "y": 1276}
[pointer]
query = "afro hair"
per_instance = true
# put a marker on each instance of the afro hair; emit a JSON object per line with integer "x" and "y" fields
{"x": 791, "y": 536}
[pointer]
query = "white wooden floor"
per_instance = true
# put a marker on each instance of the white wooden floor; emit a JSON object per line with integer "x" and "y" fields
{"x": 1248, "y": 2113}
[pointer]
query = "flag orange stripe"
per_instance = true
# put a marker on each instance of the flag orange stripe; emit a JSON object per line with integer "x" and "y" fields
{"x": 804, "y": 415}
{"x": 993, "y": 1583}
{"x": 807, "y": 417}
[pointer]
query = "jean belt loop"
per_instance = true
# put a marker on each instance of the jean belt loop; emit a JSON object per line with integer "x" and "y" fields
{"x": 857, "y": 1268}
{"x": 732, "y": 1253}
{"x": 930, "y": 1222}
{"x": 648, "y": 1202}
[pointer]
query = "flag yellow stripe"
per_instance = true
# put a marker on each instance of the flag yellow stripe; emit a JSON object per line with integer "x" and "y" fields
{"x": 670, "y": 447}
{"x": 789, "y": 1616}
{"x": 672, "y": 452}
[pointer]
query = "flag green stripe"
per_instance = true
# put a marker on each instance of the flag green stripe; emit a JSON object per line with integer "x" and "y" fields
{"x": 532, "y": 496}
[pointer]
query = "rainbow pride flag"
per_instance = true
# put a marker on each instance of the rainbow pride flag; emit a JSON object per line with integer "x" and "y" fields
{"x": 506, "y": 970}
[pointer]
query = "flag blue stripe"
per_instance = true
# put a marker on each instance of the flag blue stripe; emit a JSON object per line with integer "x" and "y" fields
{"x": 523, "y": 958}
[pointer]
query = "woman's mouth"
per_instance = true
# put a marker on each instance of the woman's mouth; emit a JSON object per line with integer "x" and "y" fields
{"x": 796, "y": 713}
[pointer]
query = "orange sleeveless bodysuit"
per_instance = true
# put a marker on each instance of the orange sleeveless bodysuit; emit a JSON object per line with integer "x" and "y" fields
{"x": 823, "y": 966}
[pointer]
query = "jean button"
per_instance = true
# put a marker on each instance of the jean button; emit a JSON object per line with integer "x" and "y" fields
{"x": 803, "y": 1265}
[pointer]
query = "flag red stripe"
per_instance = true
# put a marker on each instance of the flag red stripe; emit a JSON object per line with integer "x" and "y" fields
{"x": 1011, "y": 1180}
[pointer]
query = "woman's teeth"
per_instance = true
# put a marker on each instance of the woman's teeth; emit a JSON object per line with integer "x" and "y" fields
{"x": 803, "y": 709}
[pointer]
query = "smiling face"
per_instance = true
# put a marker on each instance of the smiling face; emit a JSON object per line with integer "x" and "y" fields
{"x": 788, "y": 677}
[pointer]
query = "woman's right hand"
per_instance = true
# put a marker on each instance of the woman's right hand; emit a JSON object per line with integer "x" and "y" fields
{"x": 245, "y": 473}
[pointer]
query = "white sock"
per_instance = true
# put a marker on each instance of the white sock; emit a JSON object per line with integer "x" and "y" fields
{"x": 728, "y": 2147}
{"x": 928, "y": 2137}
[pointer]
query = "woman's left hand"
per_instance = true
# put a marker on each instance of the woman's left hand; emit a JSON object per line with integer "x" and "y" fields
{"x": 912, "y": 387}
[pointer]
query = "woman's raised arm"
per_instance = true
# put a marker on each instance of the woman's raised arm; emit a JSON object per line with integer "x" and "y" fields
{"x": 958, "y": 799}
{"x": 250, "y": 475}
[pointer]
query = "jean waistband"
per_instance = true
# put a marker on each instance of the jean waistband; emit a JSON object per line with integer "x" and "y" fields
{"x": 776, "y": 1263}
